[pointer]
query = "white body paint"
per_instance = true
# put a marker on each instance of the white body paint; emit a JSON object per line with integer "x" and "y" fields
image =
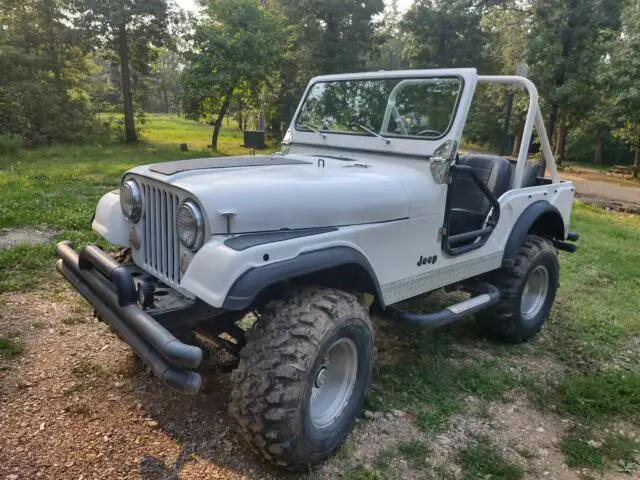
{"x": 387, "y": 206}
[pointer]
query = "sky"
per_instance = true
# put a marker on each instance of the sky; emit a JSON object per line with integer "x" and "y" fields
{"x": 191, "y": 4}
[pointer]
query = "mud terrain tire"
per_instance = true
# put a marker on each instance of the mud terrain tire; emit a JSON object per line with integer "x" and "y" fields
{"x": 280, "y": 367}
{"x": 513, "y": 319}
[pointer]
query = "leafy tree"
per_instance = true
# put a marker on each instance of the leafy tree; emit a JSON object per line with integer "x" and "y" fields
{"x": 445, "y": 33}
{"x": 563, "y": 51}
{"x": 338, "y": 34}
{"x": 624, "y": 75}
{"x": 391, "y": 53}
{"x": 164, "y": 80}
{"x": 127, "y": 28}
{"x": 327, "y": 36}
{"x": 234, "y": 50}
{"x": 43, "y": 65}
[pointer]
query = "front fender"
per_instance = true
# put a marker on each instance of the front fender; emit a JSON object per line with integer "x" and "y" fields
{"x": 247, "y": 288}
{"x": 109, "y": 222}
{"x": 225, "y": 277}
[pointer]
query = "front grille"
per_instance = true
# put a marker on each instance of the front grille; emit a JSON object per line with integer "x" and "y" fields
{"x": 160, "y": 243}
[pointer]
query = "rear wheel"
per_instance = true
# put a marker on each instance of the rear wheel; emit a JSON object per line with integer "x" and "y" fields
{"x": 303, "y": 376}
{"x": 527, "y": 292}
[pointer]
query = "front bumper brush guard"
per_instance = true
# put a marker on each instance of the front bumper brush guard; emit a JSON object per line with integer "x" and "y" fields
{"x": 94, "y": 275}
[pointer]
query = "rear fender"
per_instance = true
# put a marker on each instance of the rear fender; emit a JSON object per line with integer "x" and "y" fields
{"x": 541, "y": 218}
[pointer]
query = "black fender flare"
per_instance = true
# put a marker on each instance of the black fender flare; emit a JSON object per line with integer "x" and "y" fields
{"x": 249, "y": 285}
{"x": 540, "y": 217}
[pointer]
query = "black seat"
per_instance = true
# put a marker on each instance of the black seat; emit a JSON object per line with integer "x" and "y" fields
{"x": 469, "y": 205}
{"x": 531, "y": 172}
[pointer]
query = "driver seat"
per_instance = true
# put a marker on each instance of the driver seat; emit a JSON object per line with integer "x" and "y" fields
{"x": 469, "y": 206}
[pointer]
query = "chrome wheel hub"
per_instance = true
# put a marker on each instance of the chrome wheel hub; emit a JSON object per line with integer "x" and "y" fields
{"x": 334, "y": 383}
{"x": 535, "y": 292}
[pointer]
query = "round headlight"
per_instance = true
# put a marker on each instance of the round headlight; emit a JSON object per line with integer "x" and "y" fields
{"x": 131, "y": 200}
{"x": 190, "y": 225}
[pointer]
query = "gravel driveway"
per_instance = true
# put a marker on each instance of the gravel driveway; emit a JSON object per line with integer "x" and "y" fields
{"x": 607, "y": 194}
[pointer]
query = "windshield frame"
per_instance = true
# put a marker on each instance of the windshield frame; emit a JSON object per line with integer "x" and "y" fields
{"x": 297, "y": 119}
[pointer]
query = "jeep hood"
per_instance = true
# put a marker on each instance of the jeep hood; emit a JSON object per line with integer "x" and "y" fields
{"x": 285, "y": 191}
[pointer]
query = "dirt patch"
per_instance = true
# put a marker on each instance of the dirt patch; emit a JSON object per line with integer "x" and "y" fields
{"x": 77, "y": 404}
{"x": 368, "y": 440}
{"x": 523, "y": 435}
{"x": 32, "y": 236}
{"x": 594, "y": 189}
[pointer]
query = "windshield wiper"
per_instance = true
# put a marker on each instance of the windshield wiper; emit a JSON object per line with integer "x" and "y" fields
{"x": 314, "y": 129}
{"x": 384, "y": 139}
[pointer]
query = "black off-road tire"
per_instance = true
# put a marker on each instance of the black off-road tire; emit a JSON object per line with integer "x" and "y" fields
{"x": 505, "y": 320}
{"x": 279, "y": 365}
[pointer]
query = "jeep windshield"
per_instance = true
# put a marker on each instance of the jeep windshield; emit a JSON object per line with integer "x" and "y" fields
{"x": 386, "y": 107}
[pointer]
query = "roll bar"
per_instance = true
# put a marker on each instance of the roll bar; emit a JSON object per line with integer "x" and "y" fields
{"x": 534, "y": 119}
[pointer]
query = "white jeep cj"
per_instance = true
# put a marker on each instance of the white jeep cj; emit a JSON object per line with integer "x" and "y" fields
{"x": 368, "y": 196}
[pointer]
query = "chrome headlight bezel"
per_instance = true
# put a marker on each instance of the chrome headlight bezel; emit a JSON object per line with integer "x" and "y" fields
{"x": 131, "y": 200}
{"x": 190, "y": 212}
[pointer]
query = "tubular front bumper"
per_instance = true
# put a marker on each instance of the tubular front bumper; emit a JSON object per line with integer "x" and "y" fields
{"x": 109, "y": 287}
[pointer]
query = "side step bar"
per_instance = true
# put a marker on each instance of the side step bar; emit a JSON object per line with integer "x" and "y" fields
{"x": 487, "y": 295}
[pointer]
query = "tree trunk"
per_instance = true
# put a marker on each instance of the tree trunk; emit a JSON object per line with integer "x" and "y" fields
{"x": 130, "y": 135}
{"x": 636, "y": 164}
{"x": 52, "y": 48}
{"x": 165, "y": 97}
{"x": 218, "y": 123}
{"x": 598, "y": 158}
{"x": 560, "y": 142}
{"x": 518, "y": 138}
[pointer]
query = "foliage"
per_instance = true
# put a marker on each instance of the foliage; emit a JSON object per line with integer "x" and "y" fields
{"x": 435, "y": 29}
{"x": 233, "y": 51}
{"x": 64, "y": 61}
{"x": 10, "y": 143}
{"x": 565, "y": 48}
{"x": 339, "y": 35}
{"x": 42, "y": 96}
{"x": 127, "y": 29}
{"x": 327, "y": 36}
{"x": 164, "y": 86}
{"x": 625, "y": 71}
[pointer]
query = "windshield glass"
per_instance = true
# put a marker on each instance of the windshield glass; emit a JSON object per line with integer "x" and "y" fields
{"x": 394, "y": 107}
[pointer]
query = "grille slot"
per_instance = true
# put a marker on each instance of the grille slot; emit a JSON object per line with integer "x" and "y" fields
{"x": 161, "y": 246}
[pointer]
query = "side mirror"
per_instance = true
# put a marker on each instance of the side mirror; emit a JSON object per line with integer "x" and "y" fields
{"x": 441, "y": 161}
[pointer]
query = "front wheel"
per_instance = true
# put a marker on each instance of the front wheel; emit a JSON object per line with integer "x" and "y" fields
{"x": 527, "y": 292}
{"x": 303, "y": 376}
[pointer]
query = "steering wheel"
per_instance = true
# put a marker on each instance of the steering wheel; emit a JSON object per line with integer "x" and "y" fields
{"x": 435, "y": 133}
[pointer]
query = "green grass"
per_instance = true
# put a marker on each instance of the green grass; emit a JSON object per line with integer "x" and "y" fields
{"x": 616, "y": 449}
{"x": 416, "y": 452}
{"x": 619, "y": 447}
{"x": 58, "y": 188}
{"x": 481, "y": 459}
{"x": 432, "y": 378}
{"x": 162, "y": 129}
{"x": 603, "y": 396}
{"x": 578, "y": 453}
{"x": 88, "y": 368}
{"x": 11, "y": 346}
{"x": 599, "y": 283}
